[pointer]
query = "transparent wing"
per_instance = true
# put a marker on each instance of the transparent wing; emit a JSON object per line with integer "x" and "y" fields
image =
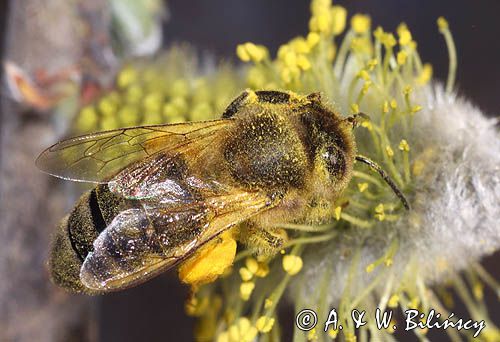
{"x": 140, "y": 243}
{"x": 96, "y": 157}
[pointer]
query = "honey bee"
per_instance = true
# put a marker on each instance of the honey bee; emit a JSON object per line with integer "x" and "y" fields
{"x": 165, "y": 191}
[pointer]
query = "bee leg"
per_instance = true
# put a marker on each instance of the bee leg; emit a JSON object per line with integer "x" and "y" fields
{"x": 263, "y": 241}
{"x": 235, "y": 106}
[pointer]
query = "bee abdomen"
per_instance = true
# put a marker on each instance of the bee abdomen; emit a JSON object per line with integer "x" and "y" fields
{"x": 78, "y": 231}
{"x": 73, "y": 241}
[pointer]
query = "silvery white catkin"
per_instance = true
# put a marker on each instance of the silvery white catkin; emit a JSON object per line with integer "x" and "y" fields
{"x": 455, "y": 216}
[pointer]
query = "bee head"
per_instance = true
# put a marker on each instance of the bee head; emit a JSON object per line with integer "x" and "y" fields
{"x": 330, "y": 144}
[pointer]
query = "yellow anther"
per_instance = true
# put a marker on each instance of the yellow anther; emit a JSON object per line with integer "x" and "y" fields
{"x": 223, "y": 337}
{"x": 401, "y": 57}
{"x": 106, "y": 106}
{"x": 404, "y": 146}
{"x": 290, "y": 59}
{"x": 246, "y": 289}
{"x": 245, "y": 274}
{"x": 389, "y": 151}
{"x": 268, "y": 303}
{"x": 385, "y": 107}
{"x": 292, "y": 264}
{"x": 153, "y": 102}
{"x": 407, "y": 90}
{"x": 252, "y": 265}
{"x": 380, "y": 212}
{"x": 362, "y": 45}
{"x": 363, "y": 74}
{"x": 127, "y": 76}
{"x": 360, "y": 23}
{"x": 303, "y": 62}
{"x": 415, "y": 109}
{"x": 319, "y": 6}
{"x": 323, "y": 22}
{"x": 251, "y": 52}
{"x": 300, "y": 45}
{"x": 362, "y": 186}
{"x": 87, "y": 119}
{"x": 337, "y": 212}
{"x": 312, "y": 335}
{"x": 333, "y": 333}
{"x": 354, "y": 108}
{"x": 366, "y": 87}
{"x": 393, "y": 301}
{"x": 339, "y": 16}
{"x": 379, "y": 33}
{"x": 413, "y": 304}
{"x": 394, "y": 104}
{"x": 134, "y": 93}
{"x": 442, "y": 24}
{"x": 242, "y": 53}
{"x": 370, "y": 268}
{"x": 264, "y": 324}
{"x": 367, "y": 124}
{"x": 372, "y": 63}
{"x": 426, "y": 74}
{"x": 242, "y": 331}
{"x": 478, "y": 290}
{"x": 388, "y": 40}
{"x": 312, "y": 39}
{"x": 263, "y": 270}
{"x": 388, "y": 262}
{"x": 404, "y": 34}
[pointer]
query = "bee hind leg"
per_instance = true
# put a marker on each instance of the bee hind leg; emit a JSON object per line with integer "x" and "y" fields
{"x": 263, "y": 241}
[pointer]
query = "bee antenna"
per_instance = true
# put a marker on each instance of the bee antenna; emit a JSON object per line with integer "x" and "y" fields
{"x": 374, "y": 166}
{"x": 356, "y": 119}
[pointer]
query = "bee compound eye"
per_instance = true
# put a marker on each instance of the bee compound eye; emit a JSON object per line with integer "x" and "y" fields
{"x": 335, "y": 161}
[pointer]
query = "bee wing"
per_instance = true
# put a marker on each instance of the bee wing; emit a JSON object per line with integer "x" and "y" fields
{"x": 95, "y": 157}
{"x": 140, "y": 243}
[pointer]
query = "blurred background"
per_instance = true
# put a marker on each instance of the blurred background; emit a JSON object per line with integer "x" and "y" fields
{"x": 31, "y": 203}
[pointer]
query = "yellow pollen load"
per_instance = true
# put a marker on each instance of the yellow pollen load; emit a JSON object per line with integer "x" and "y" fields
{"x": 209, "y": 262}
